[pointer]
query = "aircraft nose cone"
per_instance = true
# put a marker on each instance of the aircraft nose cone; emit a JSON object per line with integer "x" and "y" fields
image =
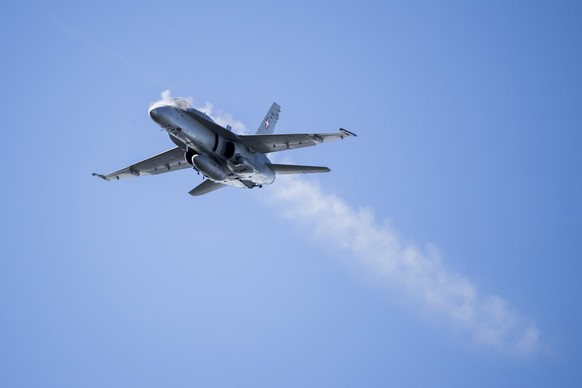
{"x": 154, "y": 113}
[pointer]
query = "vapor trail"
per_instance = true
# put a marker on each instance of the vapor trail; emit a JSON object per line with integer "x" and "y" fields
{"x": 220, "y": 117}
{"x": 223, "y": 118}
{"x": 421, "y": 275}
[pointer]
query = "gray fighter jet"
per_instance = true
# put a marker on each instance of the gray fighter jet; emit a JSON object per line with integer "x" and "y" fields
{"x": 220, "y": 155}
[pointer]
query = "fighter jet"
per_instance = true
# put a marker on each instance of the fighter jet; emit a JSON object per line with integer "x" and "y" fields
{"x": 223, "y": 157}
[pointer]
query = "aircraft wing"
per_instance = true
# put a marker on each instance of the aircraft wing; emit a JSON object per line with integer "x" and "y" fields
{"x": 282, "y": 142}
{"x": 170, "y": 160}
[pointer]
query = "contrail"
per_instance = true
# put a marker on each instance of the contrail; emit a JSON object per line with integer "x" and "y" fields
{"x": 221, "y": 118}
{"x": 166, "y": 99}
{"x": 421, "y": 275}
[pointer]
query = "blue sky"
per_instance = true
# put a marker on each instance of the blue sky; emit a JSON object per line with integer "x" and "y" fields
{"x": 445, "y": 238}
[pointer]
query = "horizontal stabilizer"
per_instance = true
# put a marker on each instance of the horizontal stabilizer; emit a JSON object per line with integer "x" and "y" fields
{"x": 294, "y": 169}
{"x": 205, "y": 187}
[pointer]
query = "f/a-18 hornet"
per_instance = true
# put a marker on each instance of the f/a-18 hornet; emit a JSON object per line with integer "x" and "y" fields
{"x": 222, "y": 156}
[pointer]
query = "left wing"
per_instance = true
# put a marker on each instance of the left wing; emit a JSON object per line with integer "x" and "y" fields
{"x": 170, "y": 160}
{"x": 274, "y": 143}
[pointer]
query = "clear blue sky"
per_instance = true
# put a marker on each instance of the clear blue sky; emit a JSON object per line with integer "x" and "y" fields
{"x": 469, "y": 122}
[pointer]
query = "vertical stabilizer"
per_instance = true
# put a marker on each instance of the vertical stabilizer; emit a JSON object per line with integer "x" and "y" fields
{"x": 268, "y": 124}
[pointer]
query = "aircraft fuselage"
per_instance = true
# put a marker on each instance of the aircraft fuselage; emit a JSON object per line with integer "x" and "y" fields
{"x": 221, "y": 159}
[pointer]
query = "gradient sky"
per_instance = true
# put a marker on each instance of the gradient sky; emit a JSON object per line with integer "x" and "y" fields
{"x": 445, "y": 238}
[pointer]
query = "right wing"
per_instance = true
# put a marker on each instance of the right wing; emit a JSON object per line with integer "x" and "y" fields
{"x": 170, "y": 160}
{"x": 282, "y": 142}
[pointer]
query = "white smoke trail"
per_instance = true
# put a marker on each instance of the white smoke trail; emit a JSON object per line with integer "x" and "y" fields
{"x": 221, "y": 118}
{"x": 168, "y": 100}
{"x": 421, "y": 275}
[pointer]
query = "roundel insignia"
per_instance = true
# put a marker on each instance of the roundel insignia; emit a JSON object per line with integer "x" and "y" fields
{"x": 267, "y": 122}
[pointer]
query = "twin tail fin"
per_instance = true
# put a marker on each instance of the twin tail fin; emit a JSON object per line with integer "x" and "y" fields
{"x": 267, "y": 126}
